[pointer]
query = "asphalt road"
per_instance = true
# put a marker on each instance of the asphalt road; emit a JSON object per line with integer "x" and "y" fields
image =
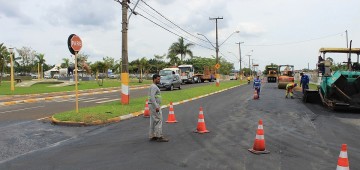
{"x": 299, "y": 136}
{"x": 21, "y": 131}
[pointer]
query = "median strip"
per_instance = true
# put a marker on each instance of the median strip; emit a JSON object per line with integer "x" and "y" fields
{"x": 115, "y": 112}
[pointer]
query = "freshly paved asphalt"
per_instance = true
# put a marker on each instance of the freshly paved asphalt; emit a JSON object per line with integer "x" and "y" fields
{"x": 299, "y": 136}
{"x": 21, "y": 132}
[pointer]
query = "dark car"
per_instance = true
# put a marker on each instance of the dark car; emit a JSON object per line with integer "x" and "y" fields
{"x": 169, "y": 82}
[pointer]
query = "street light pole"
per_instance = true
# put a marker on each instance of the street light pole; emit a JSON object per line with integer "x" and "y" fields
{"x": 217, "y": 51}
{"x": 12, "y": 87}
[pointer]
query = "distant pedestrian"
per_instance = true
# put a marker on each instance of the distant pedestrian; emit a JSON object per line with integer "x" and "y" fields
{"x": 257, "y": 85}
{"x": 304, "y": 82}
{"x": 156, "y": 118}
{"x": 289, "y": 89}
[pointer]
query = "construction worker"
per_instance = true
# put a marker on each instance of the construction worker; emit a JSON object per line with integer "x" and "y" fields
{"x": 289, "y": 89}
{"x": 257, "y": 85}
{"x": 248, "y": 79}
{"x": 156, "y": 118}
{"x": 304, "y": 82}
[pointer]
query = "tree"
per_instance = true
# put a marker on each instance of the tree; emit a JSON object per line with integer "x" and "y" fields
{"x": 66, "y": 63}
{"x": 40, "y": 59}
{"x": 158, "y": 59}
{"x": 174, "y": 60}
{"x": 27, "y": 56}
{"x": 4, "y": 59}
{"x": 144, "y": 65}
{"x": 108, "y": 63}
{"x": 181, "y": 48}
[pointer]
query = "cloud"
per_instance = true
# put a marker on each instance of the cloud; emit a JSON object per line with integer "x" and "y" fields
{"x": 11, "y": 9}
{"x": 84, "y": 14}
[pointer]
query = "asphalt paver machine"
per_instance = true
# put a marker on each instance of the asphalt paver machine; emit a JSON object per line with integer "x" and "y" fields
{"x": 338, "y": 90}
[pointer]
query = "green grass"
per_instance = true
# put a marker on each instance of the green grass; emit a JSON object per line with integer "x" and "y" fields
{"x": 311, "y": 86}
{"x": 83, "y": 85}
{"x": 115, "y": 109}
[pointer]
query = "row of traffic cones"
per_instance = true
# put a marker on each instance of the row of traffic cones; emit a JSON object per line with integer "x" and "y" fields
{"x": 201, "y": 127}
{"x": 259, "y": 142}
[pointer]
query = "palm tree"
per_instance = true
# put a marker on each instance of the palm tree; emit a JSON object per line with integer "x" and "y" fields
{"x": 158, "y": 59}
{"x": 181, "y": 48}
{"x": 173, "y": 59}
{"x": 144, "y": 64}
{"x": 40, "y": 59}
{"x": 4, "y": 57}
{"x": 66, "y": 62}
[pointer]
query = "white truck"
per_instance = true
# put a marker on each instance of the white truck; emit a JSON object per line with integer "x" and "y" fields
{"x": 188, "y": 75}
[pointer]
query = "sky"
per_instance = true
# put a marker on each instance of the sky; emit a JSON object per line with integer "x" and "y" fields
{"x": 276, "y": 31}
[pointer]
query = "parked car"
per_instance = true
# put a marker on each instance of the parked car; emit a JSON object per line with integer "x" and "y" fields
{"x": 34, "y": 76}
{"x": 114, "y": 76}
{"x": 47, "y": 76}
{"x": 233, "y": 76}
{"x": 169, "y": 82}
{"x": 56, "y": 76}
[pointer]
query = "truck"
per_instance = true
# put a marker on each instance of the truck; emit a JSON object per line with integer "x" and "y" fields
{"x": 187, "y": 74}
{"x": 272, "y": 74}
{"x": 168, "y": 71}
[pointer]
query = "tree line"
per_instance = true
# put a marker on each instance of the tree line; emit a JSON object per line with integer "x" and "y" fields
{"x": 28, "y": 59}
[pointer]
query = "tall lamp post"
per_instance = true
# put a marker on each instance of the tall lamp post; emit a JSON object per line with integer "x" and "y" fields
{"x": 12, "y": 87}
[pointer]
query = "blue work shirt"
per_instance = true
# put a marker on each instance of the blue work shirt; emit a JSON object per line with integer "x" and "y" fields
{"x": 304, "y": 79}
{"x": 257, "y": 83}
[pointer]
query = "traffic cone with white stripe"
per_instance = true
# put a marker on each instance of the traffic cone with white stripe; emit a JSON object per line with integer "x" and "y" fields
{"x": 259, "y": 143}
{"x": 256, "y": 96}
{"x": 201, "y": 127}
{"x": 147, "y": 111}
{"x": 171, "y": 115}
{"x": 343, "y": 162}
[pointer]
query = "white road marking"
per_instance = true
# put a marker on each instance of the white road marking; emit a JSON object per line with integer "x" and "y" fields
{"x": 21, "y": 109}
{"x": 107, "y": 101}
{"x": 95, "y": 100}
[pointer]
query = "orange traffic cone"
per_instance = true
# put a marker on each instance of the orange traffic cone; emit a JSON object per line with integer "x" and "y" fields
{"x": 343, "y": 162}
{"x": 259, "y": 143}
{"x": 147, "y": 111}
{"x": 256, "y": 96}
{"x": 171, "y": 115}
{"x": 201, "y": 127}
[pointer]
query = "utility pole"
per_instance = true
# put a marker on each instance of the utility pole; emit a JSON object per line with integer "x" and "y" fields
{"x": 125, "y": 97}
{"x": 252, "y": 64}
{"x": 347, "y": 41}
{"x": 249, "y": 65}
{"x": 217, "y": 51}
{"x": 240, "y": 55}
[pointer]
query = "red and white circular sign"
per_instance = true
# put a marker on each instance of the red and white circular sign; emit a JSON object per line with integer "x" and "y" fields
{"x": 76, "y": 43}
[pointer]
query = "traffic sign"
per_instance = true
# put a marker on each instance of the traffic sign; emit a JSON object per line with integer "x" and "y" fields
{"x": 217, "y": 66}
{"x": 74, "y": 43}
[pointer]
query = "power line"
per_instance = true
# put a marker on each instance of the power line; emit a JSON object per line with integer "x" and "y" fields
{"x": 172, "y": 22}
{"x": 172, "y": 31}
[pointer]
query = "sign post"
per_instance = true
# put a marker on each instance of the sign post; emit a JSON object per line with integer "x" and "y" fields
{"x": 74, "y": 45}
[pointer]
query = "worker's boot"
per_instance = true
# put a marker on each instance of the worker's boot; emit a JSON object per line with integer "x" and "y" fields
{"x": 153, "y": 139}
{"x": 292, "y": 97}
{"x": 162, "y": 139}
{"x": 286, "y": 97}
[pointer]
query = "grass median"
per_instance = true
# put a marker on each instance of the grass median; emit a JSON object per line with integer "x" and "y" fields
{"x": 115, "y": 109}
{"x": 83, "y": 85}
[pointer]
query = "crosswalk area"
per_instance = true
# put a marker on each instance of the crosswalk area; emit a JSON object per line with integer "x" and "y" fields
{"x": 86, "y": 100}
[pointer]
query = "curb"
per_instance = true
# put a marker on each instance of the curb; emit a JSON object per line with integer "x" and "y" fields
{"x": 131, "y": 115}
{"x": 63, "y": 96}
